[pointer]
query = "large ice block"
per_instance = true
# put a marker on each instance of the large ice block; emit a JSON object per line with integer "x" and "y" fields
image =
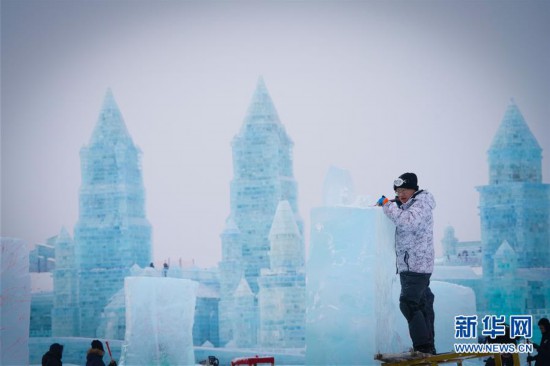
{"x": 159, "y": 321}
{"x": 15, "y": 302}
{"x": 350, "y": 277}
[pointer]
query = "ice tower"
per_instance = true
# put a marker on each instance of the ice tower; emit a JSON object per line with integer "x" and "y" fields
{"x": 282, "y": 296}
{"x": 112, "y": 232}
{"x": 514, "y": 206}
{"x": 262, "y": 176}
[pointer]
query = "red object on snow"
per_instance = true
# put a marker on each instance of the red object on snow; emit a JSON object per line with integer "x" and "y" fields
{"x": 250, "y": 361}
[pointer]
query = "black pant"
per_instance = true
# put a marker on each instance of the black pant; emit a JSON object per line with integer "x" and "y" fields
{"x": 416, "y": 303}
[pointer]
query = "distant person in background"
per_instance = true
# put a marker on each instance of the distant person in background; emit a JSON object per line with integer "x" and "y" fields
{"x": 95, "y": 355}
{"x": 542, "y": 358}
{"x": 53, "y": 356}
{"x": 411, "y": 212}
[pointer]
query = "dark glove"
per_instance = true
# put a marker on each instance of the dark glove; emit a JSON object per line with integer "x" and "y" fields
{"x": 397, "y": 201}
{"x": 112, "y": 363}
{"x": 530, "y": 358}
{"x": 382, "y": 201}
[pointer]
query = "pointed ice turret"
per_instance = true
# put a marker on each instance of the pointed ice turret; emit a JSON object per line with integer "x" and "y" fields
{"x": 505, "y": 261}
{"x": 110, "y": 127}
{"x": 261, "y": 109}
{"x": 515, "y": 154}
{"x": 287, "y": 251}
{"x": 245, "y": 316}
{"x": 505, "y": 293}
{"x": 281, "y": 298}
{"x": 243, "y": 290}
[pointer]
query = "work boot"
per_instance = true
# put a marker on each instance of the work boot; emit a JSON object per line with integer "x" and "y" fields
{"x": 426, "y": 348}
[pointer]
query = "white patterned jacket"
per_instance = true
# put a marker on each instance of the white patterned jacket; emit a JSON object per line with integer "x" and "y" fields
{"x": 414, "y": 243}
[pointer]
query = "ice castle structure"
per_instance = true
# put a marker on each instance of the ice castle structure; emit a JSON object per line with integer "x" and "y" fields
{"x": 507, "y": 209}
{"x": 112, "y": 232}
{"x": 262, "y": 177}
{"x": 515, "y": 222}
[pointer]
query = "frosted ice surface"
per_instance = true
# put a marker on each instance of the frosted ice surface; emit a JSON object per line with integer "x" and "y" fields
{"x": 159, "y": 321}
{"x": 15, "y": 302}
{"x": 350, "y": 277}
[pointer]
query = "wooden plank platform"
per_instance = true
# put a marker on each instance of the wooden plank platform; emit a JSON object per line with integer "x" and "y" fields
{"x": 418, "y": 358}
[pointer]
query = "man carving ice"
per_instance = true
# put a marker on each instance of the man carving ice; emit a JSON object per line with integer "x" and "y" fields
{"x": 411, "y": 212}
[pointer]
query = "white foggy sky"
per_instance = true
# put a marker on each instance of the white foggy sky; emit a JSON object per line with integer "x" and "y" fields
{"x": 377, "y": 88}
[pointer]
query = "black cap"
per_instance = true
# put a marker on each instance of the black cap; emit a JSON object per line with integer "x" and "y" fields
{"x": 406, "y": 180}
{"x": 96, "y": 343}
{"x": 57, "y": 349}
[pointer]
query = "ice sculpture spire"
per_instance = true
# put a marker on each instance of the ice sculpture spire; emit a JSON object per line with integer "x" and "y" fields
{"x": 245, "y": 322}
{"x": 515, "y": 154}
{"x": 287, "y": 250}
{"x": 261, "y": 109}
{"x": 262, "y": 176}
{"x": 507, "y": 211}
{"x": 110, "y": 127}
{"x": 112, "y": 232}
{"x": 282, "y": 294}
{"x": 505, "y": 261}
